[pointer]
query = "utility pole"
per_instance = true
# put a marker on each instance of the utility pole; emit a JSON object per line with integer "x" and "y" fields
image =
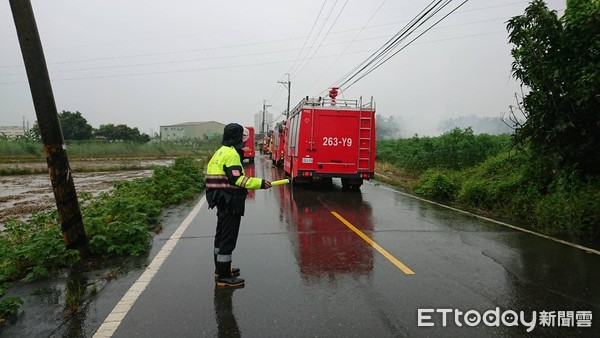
{"x": 287, "y": 85}
{"x": 265, "y": 106}
{"x": 71, "y": 221}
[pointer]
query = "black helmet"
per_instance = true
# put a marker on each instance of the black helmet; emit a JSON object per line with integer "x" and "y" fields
{"x": 232, "y": 135}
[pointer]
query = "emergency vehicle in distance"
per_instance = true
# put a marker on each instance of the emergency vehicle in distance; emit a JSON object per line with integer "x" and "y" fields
{"x": 249, "y": 148}
{"x": 326, "y": 138}
{"x": 265, "y": 147}
{"x": 278, "y": 144}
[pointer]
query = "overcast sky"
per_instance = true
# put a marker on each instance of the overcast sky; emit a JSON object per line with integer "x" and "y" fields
{"x": 150, "y": 63}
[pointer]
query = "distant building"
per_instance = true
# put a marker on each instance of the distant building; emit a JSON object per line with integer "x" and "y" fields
{"x": 12, "y": 131}
{"x": 192, "y": 130}
{"x": 258, "y": 119}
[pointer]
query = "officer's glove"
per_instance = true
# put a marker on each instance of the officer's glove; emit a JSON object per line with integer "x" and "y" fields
{"x": 265, "y": 184}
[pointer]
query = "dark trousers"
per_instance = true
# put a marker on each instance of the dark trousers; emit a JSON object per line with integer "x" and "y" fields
{"x": 228, "y": 228}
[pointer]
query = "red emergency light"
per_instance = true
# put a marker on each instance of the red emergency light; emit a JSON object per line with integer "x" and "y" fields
{"x": 333, "y": 93}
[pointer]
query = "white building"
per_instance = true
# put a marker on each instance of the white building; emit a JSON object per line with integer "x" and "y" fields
{"x": 12, "y": 131}
{"x": 192, "y": 130}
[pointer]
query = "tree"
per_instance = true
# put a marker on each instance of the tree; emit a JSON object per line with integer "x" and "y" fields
{"x": 121, "y": 132}
{"x": 558, "y": 60}
{"x": 73, "y": 125}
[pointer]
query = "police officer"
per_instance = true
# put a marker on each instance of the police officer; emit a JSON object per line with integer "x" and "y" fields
{"x": 226, "y": 188}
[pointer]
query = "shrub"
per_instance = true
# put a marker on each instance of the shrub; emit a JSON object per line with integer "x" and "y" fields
{"x": 435, "y": 184}
{"x": 9, "y": 305}
{"x": 571, "y": 208}
{"x": 456, "y": 150}
{"x": 494, "y": 183}
{"x": 118, "y": 223}
{"x": 34, "y": 248}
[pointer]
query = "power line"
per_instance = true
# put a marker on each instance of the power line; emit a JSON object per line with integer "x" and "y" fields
{"x": 356, "y": 70}
{"x": 164, "y": 53}
{"x": 270, "y": 52}
{"x": 390, "y": 48}
{"x": 319, "y": 33}
{"x": 324, "y": 38}
{"x": 372, "y": 65}
{"x": 349, "y": 44}
{"x": 308, "y": 36}
{"x": 398, "y": 51}
{"x": 248, "y": 65}
{"x": 246, "y": 44}
{"x": 232, "y": 46}
{"x": 162, "y": 62}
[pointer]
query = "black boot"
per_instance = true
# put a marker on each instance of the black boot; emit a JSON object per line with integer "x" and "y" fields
{"x": 225, "y": 279}
{"x": 235, "y": 272}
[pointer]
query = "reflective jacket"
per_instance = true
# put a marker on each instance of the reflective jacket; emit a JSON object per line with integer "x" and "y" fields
{"x": 225, "y": 180}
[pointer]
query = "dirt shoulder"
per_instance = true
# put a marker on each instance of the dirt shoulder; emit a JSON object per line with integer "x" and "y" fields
{"x": 395, "y": 176}
{"x": 21, "y": 195}
{"x": 87, "y": 165}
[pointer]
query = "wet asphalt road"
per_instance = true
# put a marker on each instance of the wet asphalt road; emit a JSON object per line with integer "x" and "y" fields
{"x": 309, "y": 274}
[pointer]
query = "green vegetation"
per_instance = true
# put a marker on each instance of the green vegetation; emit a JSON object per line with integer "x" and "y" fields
{"x": 120, "y": 132}
{"x": 550, "y": 180}
{"x": 395, "y": 127}
{"x": 75, "y": 127}
{"x": 118, "y": 223}
{"x": 457, "y": 149}
{"x": 12, "y": 151}
{"x": 497, "y": 182}
{"x": 8, "y": 304}
{"x": 558, "y": 61}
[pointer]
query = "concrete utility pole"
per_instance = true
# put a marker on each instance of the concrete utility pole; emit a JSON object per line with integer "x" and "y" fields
{"x": 287, "y": 85}
{"x": 45, "y": 109}
{"x": 265, "y": 106}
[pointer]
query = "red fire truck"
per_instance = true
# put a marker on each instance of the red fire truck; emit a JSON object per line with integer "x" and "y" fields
{"x": 265, "y": 147}
{"x": 329, "y": 138}
{"x": 278, "y": 144}
{"x": 249, "y": 148}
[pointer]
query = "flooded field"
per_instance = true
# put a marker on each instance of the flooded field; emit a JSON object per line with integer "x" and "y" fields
{"x": 21, "y": 195}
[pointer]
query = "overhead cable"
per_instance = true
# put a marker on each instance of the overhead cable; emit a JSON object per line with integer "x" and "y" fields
{"x": 307, "y": 37}
{"x": 379, "y": 63}
{"x": 392, "y": 42}
{"x": 324, "y": 38}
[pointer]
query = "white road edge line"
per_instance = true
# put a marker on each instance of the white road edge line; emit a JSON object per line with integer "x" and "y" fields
{"x": 113, "y": 320}
{"x": 581, "y": 247}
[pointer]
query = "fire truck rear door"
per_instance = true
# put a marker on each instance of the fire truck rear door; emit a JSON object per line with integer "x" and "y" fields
{"x": 336, "y": 141}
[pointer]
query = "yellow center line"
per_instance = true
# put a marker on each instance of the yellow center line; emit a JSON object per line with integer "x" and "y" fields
{"x": 381, "y": 250}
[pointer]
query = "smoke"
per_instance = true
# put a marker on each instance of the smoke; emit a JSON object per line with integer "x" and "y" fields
{"x": 395, "y": 127}
{"x": 479, "y": 124}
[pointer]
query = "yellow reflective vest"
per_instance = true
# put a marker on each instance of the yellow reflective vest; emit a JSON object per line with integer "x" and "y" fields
{"x": 226, "y": 182}
{"x": 225, "y": 171}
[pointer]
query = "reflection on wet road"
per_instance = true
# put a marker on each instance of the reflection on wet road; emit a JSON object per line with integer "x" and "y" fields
{"x": 310, "y": 274}
{"x": 323, "y": 248}
{"x": 226, "y": 324}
